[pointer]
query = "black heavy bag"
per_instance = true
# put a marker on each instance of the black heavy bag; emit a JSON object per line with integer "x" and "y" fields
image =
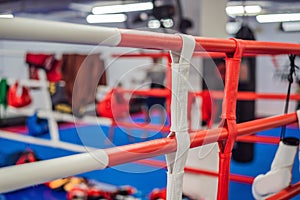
{"x": 242, "y": 151}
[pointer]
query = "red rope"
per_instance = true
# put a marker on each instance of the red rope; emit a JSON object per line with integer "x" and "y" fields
{"x": 233, "y": 177}
{"x": 248, "y": 95}
{"x": 160, "y": 41}
{"x": 150, "y": 92}
{"x": 287, "y": 193}
{"x": 148, "y": 149}
{"x": 259, "y": 139}
{"x": 166, "y": 54}
{"x": 144, "y": 126}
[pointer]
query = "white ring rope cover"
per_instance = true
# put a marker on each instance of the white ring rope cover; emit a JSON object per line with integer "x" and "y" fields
{"x": 21, "y": 176}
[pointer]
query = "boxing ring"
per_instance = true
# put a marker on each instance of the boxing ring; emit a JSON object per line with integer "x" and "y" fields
{"x": 226, "y": 134}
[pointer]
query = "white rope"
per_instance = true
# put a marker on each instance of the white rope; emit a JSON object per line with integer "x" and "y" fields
{"x": 179, "y": 124}
{"x": 20, "y": 176}
{"x": 42, "y": 113}
{"x": 48, "y": 31}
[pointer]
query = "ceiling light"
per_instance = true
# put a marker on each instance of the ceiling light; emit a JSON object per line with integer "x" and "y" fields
{"x": 167, "y": 23}
{"x": 253, "y": 9}
{"x": 268, "y": 18}
{"x": 290, "y": 26}
{"x": 112, "y": 18}
{"x": 7, "y": 16}
{"x": 243, "y": 10}
{"x": 154, "y": 23}
{"x": 123, "y": 8}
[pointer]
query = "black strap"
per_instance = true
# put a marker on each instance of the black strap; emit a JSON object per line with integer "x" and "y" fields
{"x": 293, "y": 68}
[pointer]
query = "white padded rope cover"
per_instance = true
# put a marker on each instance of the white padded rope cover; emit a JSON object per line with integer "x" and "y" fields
{"x": 21, "y": 176}
{"x": 50, "y": 31}
{"x": 179, "y": 124}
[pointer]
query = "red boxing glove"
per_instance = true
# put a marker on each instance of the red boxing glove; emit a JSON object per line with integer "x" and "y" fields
{"x": 54, "y": 75}
{"x": 13, "y": 99}
{"x": 44, "y": 61}
{"x": 158, "y": 194}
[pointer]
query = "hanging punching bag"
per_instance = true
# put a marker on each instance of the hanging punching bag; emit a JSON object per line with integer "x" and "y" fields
{"x": 244, "y": 152}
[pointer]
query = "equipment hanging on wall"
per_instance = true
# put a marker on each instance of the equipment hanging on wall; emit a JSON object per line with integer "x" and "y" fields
{"x": 58, "y": 97}
{"x": 47, "y": 62}
{"x": 3, "y": 93}
{"x": 82, "y": 75}
{"x": 6, "y": 121}
{"x": 54, "y": 75}
{"x": 16, "y": 100}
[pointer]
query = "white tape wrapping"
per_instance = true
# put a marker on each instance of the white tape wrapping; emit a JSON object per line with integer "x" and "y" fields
{"x": 179, "y": 124}
{"x": 21, "y": 176}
